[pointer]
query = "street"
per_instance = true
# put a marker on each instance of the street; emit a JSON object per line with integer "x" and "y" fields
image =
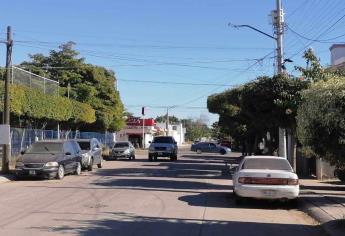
{"x": 192, "y": 196}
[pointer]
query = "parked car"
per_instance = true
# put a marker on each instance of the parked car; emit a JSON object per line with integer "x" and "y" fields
{"x": 265, "y": 177}
{"x": 123, "y": 150}
{"x": 163, "y": 146}
{"x": 91, "y": 153}
{"x": 209, "y": 147}
{"x": 50, "y": 159}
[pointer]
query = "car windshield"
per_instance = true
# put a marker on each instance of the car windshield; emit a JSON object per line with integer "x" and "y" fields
{"x": 84, "y": 145}
{"x": 163, "y": 140}
{"x": 45, "y": 148}
{"x": 121, "y": 145}
{"x": 267, "y": 164}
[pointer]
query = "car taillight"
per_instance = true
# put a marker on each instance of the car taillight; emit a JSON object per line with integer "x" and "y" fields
{"x": 293, "y": 182}
{"x": 267, "y": 181}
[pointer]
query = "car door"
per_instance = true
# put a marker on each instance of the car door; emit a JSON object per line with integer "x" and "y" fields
{"x": 97, "y": 150}
{"x": 77, "y": 156}
{"x": 69, "y": 154}
{"x": 212, "y": 148}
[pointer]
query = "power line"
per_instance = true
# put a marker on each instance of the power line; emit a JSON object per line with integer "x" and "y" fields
{"x": 176, "y": 83}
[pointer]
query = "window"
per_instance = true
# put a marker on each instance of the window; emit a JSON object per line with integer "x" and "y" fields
{"x": 68, "y": 147}
{"x": 45, "y": 147}
{"x": 84, "y": 145}
{"x": 174, "y": 127}
{"x": 267, "y": 164}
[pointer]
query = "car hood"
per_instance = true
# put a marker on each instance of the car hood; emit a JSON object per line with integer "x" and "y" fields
{"x": 266, "y": 173}
{"x": 39, "y": 158}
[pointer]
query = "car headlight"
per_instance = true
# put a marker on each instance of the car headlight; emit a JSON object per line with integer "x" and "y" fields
{"x": 19, "y": 165}
{"x": 126, "y": 151}
{"x": 51, "y": 164}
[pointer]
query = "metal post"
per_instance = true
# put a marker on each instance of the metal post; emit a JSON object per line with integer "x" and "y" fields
{"x": 167, "y": 121}
{"x": 7, "y": 148}
{"x": 143, "y": 131}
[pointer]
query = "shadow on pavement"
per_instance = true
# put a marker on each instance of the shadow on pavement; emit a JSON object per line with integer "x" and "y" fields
{"x": 227, "y": 200}
{"x": 126, "y": 224}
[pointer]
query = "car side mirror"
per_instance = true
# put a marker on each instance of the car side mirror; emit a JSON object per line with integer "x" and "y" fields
{"x": 175, "y": 142}
{"x": 150, "y": 142}
{"x": 68, "y": 153}
{"x": 22, "y": 152}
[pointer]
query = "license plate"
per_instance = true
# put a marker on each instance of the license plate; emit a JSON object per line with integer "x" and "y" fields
{"x": 160, "y": 153}
{"x": 269, "y": 193}
{"x": 32, "y": 172}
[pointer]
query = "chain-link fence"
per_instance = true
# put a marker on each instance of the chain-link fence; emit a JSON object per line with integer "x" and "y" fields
{"x": 22, "y": 139}
{"x": 31, "y": 80}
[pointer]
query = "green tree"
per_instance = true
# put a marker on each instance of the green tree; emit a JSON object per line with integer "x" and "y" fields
{"x": 90, "y": 84}
{"x": 321, "y": 124}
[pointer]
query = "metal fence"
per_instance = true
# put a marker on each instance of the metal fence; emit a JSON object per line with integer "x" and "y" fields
{"x": 21, "y": 139}
{"x": 31, "y": 80}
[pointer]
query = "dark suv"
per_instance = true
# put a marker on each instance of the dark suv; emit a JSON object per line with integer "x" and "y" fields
{"x": 163, "y": 146}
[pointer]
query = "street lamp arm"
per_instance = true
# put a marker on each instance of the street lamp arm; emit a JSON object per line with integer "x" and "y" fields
{"x": 253, "y": 28}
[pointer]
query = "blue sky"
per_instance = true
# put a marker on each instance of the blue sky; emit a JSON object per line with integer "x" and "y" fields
{"x": 186, "y": 41}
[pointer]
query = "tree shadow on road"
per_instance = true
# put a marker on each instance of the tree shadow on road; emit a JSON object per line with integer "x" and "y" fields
{"x": 128, "y": 224}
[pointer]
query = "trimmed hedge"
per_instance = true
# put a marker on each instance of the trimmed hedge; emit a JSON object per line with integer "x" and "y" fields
{"x": 35, "y": 104}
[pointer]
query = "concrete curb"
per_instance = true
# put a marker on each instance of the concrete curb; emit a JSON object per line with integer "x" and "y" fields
{"x": 327, "y": 222}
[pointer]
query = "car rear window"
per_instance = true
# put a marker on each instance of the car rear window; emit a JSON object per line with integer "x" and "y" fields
{"x": 45, "y": 148}
{"x": 163, "y": 140}
{"x": 84, "y": 145}
{"x": 267, "y": 164}
{"x": 120, "y": 145}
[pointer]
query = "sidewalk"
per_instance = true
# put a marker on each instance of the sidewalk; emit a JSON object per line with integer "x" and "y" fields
{"x": 325, "y": 202}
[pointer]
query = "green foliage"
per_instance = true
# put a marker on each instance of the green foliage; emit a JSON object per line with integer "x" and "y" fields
{"x": 248, "y": 112}
{"x": 313, "y": 71}
{"x": 321, "y": 123}
{"x": 90, "y": 84}
{"x": 162, "y": 119}
{"x": 196, "y": 129}
{"x": 35, "y": 105}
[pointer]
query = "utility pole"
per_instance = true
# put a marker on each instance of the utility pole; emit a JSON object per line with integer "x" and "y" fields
{"x": 7, "y": 147}
{"x": 143, "y": 114}
{"x": 278, "y": 22}
{"x": 167, "y": 121}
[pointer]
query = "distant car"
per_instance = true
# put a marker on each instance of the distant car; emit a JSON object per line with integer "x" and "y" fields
{"x": 91, "y": 153}
{"x": 210, "y": 148}
{"x": 163, "y": 146}
{"x": 123, "y": 150}
{"x": 265, "y": 177}
{"x": 50, "y": 159}
{"x": 225, "y": 144}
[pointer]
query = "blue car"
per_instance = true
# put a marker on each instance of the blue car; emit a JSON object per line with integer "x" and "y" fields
{"x": 209, "y": 147}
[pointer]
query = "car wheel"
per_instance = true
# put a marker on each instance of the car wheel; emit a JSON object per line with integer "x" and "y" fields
{"x": 293, "y": 203}
{"x": 133, "y": 157}
{"x": 78, "y": 169}
{"x": 150, "y": 158}
{"x": 61, "y": 172}
{"x": 100, "y": 165}
{"x": 223, "y": 152}
{"x": 155, "y": 158}
{"x": 198, "y": 151}
{"x": 90, "y": 167}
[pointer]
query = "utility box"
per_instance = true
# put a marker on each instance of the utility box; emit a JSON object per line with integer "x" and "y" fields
{"x": 5, "y": 137}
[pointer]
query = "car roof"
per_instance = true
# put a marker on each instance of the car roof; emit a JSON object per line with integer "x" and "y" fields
{"x": 264, "y": 157}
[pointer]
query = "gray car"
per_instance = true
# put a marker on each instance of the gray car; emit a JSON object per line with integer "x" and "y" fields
{"x": 163, "y": 146}
{"x": 209, "y": 147}
{"x": 91, "y": 153}
{"x": 123, "y": 150}
{"x": 50, "y": 159}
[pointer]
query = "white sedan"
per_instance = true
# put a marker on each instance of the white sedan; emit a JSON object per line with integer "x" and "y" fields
{"x": 265, "y": 177}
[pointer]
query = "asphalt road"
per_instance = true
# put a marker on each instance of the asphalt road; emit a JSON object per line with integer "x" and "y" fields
{"x": 192, "y": 196}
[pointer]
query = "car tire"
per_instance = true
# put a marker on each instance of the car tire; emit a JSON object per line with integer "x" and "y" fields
{"x": 198, "y": 151}
{"x": 293, "y": 203}
{"x": 100, "y": 165}
{"x": 155, "y": 158}
{"x": 90, "y": 167}
{"x": 150, "y": 158}
{"x": 61, "y": 172}
{"x": 133, "y": 157}
{"x": 223, "y": 152}
{"x": 78, "y": 169}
